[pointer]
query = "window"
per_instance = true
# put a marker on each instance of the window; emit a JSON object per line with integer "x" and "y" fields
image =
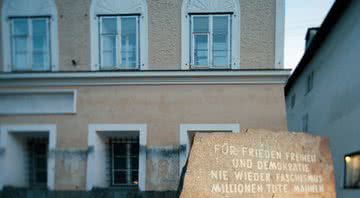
{"x": 352, "y": 170}
{"x": 210, "y": 41}
{"x": 37, "y": 160}
{"x": 124, "y": 161}
{"x": 28, "y": 146}
{"x": 30, "y": 44}
{"x": 30, "y": 35}
{"x": 119, "y": 47}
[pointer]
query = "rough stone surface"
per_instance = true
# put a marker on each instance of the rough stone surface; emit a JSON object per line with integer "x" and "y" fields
{"x": 259, "y": 163}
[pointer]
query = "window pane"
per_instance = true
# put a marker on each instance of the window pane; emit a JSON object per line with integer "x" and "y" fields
{"x": 201, "y": 50}
{"x": 41, "y": 163}
{"x": 128, "y": 41}
{"x": 39, "y": 27}
{"x": 119, "y": 149}
{"x": 40, "y": 53}
{"x": 352, "y": 174}
{"x": 220, "y": 40}
{"x": 120, "y": 177}
{"x": 20, "y": 56}
{"x": 20, "y": 27}
{"x": 134, "y": 163}
{"x": 120, "y": 163}
{"x": 109, "y": 51}
{"x": 134, "y": 177}
{"x": 20, "y": 44}
{"x": 109, "y": 26}
{"x": 40, "y": 61}
{"x": 135, "y": 149}
{"x": 201, "y": 24}
{"x": 40, "y": 43}
{"x": 41, "y": 177}
{"x": 20, "y": 61}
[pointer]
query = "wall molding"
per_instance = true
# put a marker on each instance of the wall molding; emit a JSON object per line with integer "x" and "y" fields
{"x": 38, "y": 101}
{"x": 57, "y": 79}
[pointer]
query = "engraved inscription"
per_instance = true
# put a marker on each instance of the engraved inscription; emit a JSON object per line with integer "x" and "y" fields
{"x": 256, "y": 170}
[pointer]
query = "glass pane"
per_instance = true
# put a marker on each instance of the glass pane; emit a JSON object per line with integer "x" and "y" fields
{"x": 20, "y": 27}
{"x": 20, "y": 44}
{"x": 201, "y": 50}
{"x": 40, "y": 43}
{"x": 41, "y": 163}
{"x": 40, "y": 61}
{"x": 128, "y": 42}
{"x": 119, "y": 149}
{"x": 40, "y": 148}
{"x": 109, "y": 26}
{"x": 109, "y": 51}
{"x": 41, "y": 177}
{"x": 220, "y": 40}
{"x": 20, "y": 56}
{"x": 201, "y": 24}
{"x": 20, "y": 61}
{"x": 134, "y": 163}
{"x": 40, "y": 53}
{"x": 135, "y": 149}
{"x": 134, "y": 177}
{"x": 119, "y": 177}
{"x": 39, "y": 27}
{"x": 120, "y": 163}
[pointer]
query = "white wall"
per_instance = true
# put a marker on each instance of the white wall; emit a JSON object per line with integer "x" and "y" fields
{"x": 333, "y": 105}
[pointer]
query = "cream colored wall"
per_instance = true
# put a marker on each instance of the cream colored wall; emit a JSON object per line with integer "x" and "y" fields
{"x": 257, "y": 47}
{"x": 74, "y": 34}
{"x": 257, "y": 34}
{"x": 163, "y": 109}
{"x": 164, "y": 34}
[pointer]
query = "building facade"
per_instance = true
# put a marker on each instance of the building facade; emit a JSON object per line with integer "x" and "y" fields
{"x": 322, "y": 95}
{"x": 107, "y": 93}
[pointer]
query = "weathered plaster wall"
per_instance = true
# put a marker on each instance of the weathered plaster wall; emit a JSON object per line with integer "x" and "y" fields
{"x": 257, "y": 47}
{"x": 164, "y": 34}
{"x": 163, "y": 109}
{"x": 333, "y": 105}
{"x": 74, "y": 34}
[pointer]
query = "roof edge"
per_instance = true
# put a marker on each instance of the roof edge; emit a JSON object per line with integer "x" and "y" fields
{"x": 331, "y": 19}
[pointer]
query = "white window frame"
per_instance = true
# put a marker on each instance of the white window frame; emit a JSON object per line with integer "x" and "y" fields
{"x": 96, "y": 171}
{"x": 184, "y": 137}
{"x": 116, "y": 7}
{"x": 29, "y": 40}
{"x": 210, "y": 42}
{"x": 21, "y": 8}
{"x": 214, "y": 7}
{"x": 6, "y": 163}
{"x": 118, "y": 41}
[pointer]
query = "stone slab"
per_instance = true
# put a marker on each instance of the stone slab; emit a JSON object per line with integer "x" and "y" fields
{"x": 259, "y": 163}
